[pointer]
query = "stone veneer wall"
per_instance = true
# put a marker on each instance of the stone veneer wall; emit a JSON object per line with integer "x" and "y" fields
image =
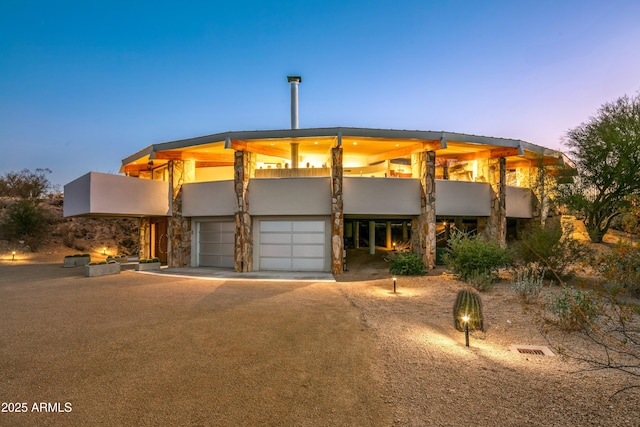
{"x": 424, "y": 228}
{"x": 244, "y": 168}
{"x": 145, "y": 238}
{"x": 497, "y": 224}
{"x": 179, "y": 227}
{"x": 337, "y": 212}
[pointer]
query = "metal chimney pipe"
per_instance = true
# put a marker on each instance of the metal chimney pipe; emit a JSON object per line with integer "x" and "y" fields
{"x": 294, "y": 81}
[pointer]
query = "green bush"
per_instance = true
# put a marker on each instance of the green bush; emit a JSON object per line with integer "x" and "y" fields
{"x": 527, "y": 283}
{"x": 475, "y": 259}
{"x": 574, "y": 308}
{"x": 149, "y": 260}
{"x": 550, "y": 250}
{"x": 621, "y": 268}
{"x": 407, "y": 264}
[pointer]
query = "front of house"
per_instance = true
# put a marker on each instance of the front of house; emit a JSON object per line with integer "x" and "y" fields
{"x": 294, "y": 199}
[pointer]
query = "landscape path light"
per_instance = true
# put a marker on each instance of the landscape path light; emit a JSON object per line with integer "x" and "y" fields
{"x": 465, "y": 319}
{"x": 104, "y": 250}
{"x": 394, "y": 285}
{"x": 13, "y": 255}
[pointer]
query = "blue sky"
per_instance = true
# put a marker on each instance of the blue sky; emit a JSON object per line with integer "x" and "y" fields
{"x": 84, "y": 84}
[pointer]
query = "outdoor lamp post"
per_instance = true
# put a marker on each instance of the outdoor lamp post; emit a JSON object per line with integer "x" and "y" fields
{"x": 13, "y": 255}
{"x": 104, "y": 250}
{"x": 394, "y": 285}
{"x": 465, "y": 319}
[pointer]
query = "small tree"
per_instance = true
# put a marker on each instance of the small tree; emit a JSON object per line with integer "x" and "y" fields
{"x": 25, "y": 184}
{"x": 606, "y": 151}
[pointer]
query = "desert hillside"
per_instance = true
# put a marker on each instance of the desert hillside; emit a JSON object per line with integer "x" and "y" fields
{"x": 78, "y": 235}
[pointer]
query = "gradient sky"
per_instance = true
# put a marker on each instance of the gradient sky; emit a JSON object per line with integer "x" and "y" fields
{"x": 84, "y": 84}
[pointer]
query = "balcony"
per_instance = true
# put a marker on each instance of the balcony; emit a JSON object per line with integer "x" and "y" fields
{"x": 100, "y": 194}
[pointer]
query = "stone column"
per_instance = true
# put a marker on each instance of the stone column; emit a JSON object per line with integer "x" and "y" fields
{"x": 425, "y": 165}
{"x": 356, "y": 235}
{"x": 337, "y": 211}
{"x": 244, "y": 168}
{"x": 388, "y": 235}
{"x": 372, "y": 237}
{"x": 145, "y": 238}
{"x": 179, "y": 228}
{"x": 497, "y": 224}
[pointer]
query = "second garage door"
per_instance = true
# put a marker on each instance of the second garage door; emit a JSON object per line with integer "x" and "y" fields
{"x": 215, "y": 244}
{"x": 292, "y": 245}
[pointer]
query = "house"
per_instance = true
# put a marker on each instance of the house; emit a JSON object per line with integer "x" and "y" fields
{"x": 294, "y": 199}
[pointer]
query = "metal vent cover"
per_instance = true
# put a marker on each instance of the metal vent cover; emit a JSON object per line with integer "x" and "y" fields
{"x": 535, "y": 350}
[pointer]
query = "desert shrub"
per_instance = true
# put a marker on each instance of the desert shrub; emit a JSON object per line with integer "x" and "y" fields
{"x": 468, "y": 303}
{"x": 527, "y": 283}
{"x": 621, "y": 268}
{"x": 27, "y": 220}
{"x": 407, "y": 264}
{"x": 549, "y": 248}
{"x": 475, "y": 259}
{"x": 574, "y": 308}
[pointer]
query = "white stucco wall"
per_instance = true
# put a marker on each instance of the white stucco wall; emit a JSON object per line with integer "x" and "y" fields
{"x": 519, "y": 202}
{"x": 290, "y": 196}
{"x": 381, "y": 196}
{"x": 105, "y": 194}
{"x": 215, "y": 198}
{"x": 460, "y": 198}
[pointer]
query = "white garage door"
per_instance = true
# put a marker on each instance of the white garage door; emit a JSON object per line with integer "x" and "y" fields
{"x": 215, "y": 244}
{"x": 292, "y": 245}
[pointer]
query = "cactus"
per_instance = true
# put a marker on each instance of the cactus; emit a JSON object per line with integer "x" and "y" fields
{"x": 468, "y": 303}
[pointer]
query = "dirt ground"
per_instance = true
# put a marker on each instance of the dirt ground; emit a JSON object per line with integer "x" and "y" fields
{"x": 139, "y": 349}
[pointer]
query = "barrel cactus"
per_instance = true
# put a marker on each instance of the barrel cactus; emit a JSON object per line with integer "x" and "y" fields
{"x": 468, "y": 303}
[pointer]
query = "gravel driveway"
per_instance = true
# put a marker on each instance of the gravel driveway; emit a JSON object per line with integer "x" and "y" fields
{"x": 138, "y": 349}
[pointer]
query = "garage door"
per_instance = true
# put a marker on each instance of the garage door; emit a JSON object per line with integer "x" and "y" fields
{"x": 215, "y": 244}
{"x": 292, "y": 245}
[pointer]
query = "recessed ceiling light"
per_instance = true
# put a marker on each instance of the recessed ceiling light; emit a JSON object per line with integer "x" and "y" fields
{"x": 315, "y": 143}
{"x": 355, "y": 142}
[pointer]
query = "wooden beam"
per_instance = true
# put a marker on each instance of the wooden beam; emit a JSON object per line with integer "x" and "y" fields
{"x": 192, "y": 155}
{"x": 520, "y": 164}
{"x": 503, "y": 152}
{"x": 134, "y": 170}
{"x": 404, "y": 151}
{"x": 212, "y": 164}
{"x": 478, "y": 155}
{"x": 259, "y": 149}
{"x": 166, "y": 155}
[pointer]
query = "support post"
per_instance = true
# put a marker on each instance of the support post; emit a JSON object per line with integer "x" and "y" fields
{"x": 337, "y": 212}
{"x": 372, "y": 237}
{"x": 179, "y": 228}
{"x": 244, "y": 166}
